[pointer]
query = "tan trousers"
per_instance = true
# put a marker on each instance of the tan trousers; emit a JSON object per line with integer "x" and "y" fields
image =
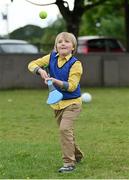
{"x": 65, "y": 119}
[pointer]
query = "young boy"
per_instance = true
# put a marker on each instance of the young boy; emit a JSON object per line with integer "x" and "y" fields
{"x": 65, "y": 72}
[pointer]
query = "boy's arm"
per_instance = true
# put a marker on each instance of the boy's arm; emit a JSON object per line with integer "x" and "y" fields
{"x": 75, "y": 76}
{"x": 36, "y": 66}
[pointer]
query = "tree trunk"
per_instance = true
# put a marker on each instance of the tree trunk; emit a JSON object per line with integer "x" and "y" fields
{"x": 126, "y": 4}
{"x": 73, "y": 25}
{"x": 72, "y": 18}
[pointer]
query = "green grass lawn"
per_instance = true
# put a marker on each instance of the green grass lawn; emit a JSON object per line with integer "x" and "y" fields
{"x": 29, "y": 138}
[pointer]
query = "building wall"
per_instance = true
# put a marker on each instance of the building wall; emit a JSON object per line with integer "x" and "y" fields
{"x": 107, "y": 69}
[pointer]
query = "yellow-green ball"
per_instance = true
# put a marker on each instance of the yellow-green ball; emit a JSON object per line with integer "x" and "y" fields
{"x": 43, "y": 14}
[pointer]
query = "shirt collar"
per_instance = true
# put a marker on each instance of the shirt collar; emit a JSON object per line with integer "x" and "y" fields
{"x": 66, "y": 57}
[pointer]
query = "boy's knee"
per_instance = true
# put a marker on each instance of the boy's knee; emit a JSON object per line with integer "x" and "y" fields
{"x": 64, "y": 129}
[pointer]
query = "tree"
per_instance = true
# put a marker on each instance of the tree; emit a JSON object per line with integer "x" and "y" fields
{"x": 43, "y": 38}
{"x": 73, "y": 17}
{"x": 126, "y": 7}
{"x": 30, "y": 33}
{"x": 104, "y": 20}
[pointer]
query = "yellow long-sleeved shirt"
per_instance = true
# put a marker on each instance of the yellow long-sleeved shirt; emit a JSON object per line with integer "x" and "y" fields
{"x": 73, "y": 80}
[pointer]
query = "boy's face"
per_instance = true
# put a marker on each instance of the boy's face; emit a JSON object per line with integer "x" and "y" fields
{"x": 64, "y": 46}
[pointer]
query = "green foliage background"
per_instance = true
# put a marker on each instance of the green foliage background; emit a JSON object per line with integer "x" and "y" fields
{"x": 104, "y": 20}
{"x": 107, "y": 20}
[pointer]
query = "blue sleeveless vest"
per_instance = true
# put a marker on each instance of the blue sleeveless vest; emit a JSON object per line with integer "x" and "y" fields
{"x": 62, "y": 73}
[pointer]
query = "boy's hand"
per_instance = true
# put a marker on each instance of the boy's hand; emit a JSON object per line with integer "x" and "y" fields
{"x": 55, "y": 81}
{"x": 49, "y": 78}
{"x": 43, "y": 74}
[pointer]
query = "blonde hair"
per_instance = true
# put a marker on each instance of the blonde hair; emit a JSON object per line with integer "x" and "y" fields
{"x": 69, "y": 36}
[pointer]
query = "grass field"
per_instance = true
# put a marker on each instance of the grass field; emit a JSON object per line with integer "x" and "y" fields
{"x": 29, "y": 138}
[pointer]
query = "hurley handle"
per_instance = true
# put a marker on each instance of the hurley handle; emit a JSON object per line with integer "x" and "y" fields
{"x": 47, "y": 69}
{"x": 50, "y": 85}
{"x": 49, "y": 82}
